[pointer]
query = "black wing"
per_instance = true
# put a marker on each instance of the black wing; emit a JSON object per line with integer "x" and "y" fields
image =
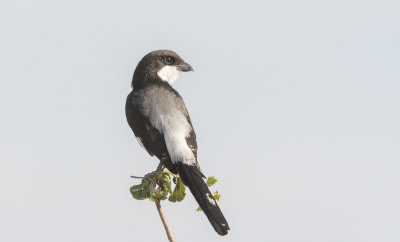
{"x": 191, "y": 140}
{"x": 153, "y": 141}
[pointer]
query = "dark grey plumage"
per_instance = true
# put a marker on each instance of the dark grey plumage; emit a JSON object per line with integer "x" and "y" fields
{"x": 159, "y": 119}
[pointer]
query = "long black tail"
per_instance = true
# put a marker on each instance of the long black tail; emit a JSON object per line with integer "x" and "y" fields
{"x": 193, "y": 178}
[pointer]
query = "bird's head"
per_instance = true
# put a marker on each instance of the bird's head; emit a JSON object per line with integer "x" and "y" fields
{"x": 164, "y": 65}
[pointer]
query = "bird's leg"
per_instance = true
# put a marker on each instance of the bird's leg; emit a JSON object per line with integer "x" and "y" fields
{"x": 159, "y": 167}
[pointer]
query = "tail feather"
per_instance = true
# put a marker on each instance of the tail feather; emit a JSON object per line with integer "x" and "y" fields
{"x": 193, "y": 178}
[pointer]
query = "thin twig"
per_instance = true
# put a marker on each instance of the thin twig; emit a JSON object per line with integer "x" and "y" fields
{"x": 166, "y": 227}
{"x": 139, "y": 177}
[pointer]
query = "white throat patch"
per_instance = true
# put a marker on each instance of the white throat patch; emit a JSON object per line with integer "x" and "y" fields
{"x": 169, "y": 74}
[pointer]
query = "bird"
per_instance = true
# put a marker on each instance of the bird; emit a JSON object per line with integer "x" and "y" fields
{"x": 158, "y": 117}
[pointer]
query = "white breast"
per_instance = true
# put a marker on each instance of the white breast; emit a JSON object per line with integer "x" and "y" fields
{"x": 167, "y": 113}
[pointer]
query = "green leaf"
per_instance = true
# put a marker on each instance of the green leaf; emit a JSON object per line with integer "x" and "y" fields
{"x": 159, "y": 186}
{"x": 166, "y": 181}
{"x": 216, "y": 195}
{"x": 141, "y": 191}
{"x": 158, "y": 193}
{"x": 211, "y": 181}
{"x": 179, "y": 192}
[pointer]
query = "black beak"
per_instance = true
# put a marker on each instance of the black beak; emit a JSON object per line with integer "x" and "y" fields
{"x": 185, "y": 67}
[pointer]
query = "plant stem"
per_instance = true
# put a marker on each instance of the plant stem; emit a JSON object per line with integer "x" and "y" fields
{"x": 166, "y": 227}
{"x": 138, "y": 177}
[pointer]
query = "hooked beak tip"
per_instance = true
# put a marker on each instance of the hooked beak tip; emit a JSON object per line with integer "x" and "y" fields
{"x": 185, "y": 67}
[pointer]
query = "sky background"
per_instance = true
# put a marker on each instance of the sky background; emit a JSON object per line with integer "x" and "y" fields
{"x": 295, "y": 104}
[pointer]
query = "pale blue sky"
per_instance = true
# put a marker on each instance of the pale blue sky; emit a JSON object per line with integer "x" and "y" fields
{"x": 295, "y": 105}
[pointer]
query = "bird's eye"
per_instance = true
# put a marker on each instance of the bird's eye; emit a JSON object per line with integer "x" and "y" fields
{"x": 169, "y": 60}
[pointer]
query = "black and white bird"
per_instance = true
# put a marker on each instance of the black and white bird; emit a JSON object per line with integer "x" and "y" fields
{"x": 160, "y": 121}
